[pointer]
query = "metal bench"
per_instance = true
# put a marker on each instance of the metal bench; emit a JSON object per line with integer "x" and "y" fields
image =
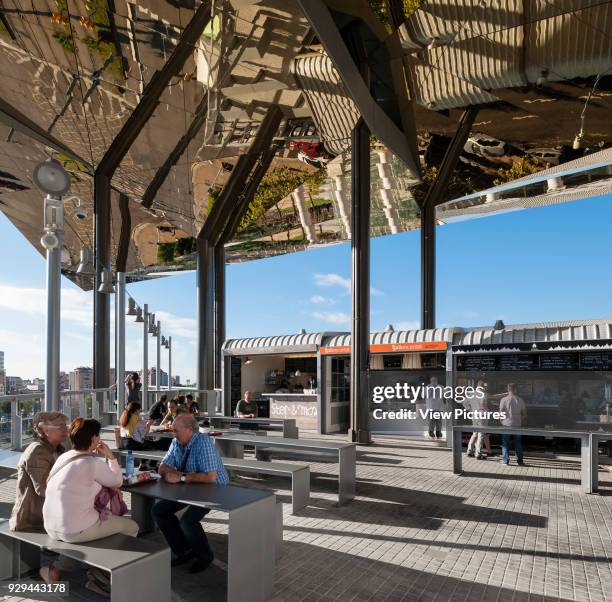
{"x": 139, "y": 569}
{"x": 300, "y": 474}
{"x": 588, "y": 447}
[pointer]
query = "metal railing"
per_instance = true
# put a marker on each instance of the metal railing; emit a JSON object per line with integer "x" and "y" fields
{"x": 17, "y": 411}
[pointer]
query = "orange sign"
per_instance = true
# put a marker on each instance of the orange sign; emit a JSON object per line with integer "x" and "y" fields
{"x": 389, "y": 348}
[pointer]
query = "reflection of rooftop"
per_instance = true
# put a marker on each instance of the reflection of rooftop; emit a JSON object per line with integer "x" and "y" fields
{"x": 77, "y": 79}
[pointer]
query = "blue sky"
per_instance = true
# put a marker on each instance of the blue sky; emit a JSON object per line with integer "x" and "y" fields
{"x": 543, "y": 264}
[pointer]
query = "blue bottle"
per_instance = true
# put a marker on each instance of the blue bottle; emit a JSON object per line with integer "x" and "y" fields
{"x": 129, "y": 464}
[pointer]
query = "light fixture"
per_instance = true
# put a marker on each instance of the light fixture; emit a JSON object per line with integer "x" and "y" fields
{"x": 389, "y": 328}
{"x": 86, "y": 266}
{"x": 164, "y": 341}
{"x": 139, "y": 317}
{"x": 51, "y": 177}
{"x": 132, "y": 307}
{"x": 106, "y": 285}
{"x": 151, "y": 323}
{"x": 248, "y": 361}
{"x": 499, "y": 325}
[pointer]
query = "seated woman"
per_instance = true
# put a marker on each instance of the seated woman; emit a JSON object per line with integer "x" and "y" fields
{"x": 158, "y": 409}
{"x": 174, "y": 409}
{"x": 132, "y": 428}
{"x": 190, "y": 406}
{"x": 69, "y": 510}
{"x": 35, "y": 464}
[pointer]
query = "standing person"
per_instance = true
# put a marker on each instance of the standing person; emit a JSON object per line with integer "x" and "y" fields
{"x": 192, "y": 458}
{"x": 434, "y": 403}
{"x": 133, "y": 384}
{"x": 478, "y": 438}
{"x": 515, "y": 413}
{"x": 247, "y": 407}
{"x": 190, "y": 406}
{"x": 159, "y": 409}
{"x": 132, "y": 429}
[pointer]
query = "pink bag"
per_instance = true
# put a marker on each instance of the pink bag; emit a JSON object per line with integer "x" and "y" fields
{"x": 106, "y": 497}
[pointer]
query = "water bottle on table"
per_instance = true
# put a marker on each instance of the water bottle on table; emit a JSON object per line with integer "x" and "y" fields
{"x": 129, "y": 464}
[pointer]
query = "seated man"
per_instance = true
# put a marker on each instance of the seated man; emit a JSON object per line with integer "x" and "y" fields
{"x": 192, "y": 458}
{"x": 246, "y": 408}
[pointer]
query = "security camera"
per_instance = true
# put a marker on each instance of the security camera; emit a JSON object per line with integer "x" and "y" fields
{"x": 49, "y": 241}
{"x": 81, "y": 214}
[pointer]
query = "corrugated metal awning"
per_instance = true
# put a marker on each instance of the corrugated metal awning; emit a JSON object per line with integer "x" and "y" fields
{"x": 544, "y": 332}
{"x": 396, "y": 337}
{"x": 290, "y": 343}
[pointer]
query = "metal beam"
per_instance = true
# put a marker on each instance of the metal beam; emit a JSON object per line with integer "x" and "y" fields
{"x": 15, "y": 119}
{"x": 205, "y": 285}
{"x": 219, "y": 311}
{"x": 360, "y": 282}
{"x": 105, "y": 170}
{"x": 162, "y": 173}
{"x": 435, "y": 196}
{"x": 124, "y": 235}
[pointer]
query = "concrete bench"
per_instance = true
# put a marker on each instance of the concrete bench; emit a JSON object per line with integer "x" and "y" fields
{"x": 139, "y": 570}
{"x": 286, "y": 425}
{"x": 300, "y": 474}
{"x": 589, "y": 443}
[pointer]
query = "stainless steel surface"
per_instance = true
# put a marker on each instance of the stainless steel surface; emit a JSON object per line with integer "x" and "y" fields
{"x": 120, "y": 349}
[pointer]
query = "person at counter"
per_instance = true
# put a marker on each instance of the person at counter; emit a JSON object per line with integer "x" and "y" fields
{"x": 247, "y": 407}
{"x": 284, "y": 388}
{"x": 516, "y": 412}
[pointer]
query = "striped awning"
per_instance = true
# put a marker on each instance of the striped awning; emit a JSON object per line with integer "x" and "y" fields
{"x": 290, "y": 343}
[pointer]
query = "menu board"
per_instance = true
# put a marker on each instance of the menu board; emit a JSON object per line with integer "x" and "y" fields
{"x": 559, "y": 361}
{"x": 517, "y": 361}
{"x": 598, "y": 360}
{"x": 477, "y": 363}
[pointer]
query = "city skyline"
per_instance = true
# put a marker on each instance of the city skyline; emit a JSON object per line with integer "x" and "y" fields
{"x": 512, "y": 266}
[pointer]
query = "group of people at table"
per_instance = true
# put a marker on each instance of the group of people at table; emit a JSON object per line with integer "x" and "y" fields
{"x": 74, "y": 494}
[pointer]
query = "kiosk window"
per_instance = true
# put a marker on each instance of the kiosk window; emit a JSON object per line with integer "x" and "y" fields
{"x": 340, "y": 379}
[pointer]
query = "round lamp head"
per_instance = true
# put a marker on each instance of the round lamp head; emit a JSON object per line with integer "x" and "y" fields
{"x": 86, "y": 266}
{"x": 51, "y": 177}
{"x": 106, "y": 286}
{"x": 131, "y": 307}
{"x": 139, "y": 317}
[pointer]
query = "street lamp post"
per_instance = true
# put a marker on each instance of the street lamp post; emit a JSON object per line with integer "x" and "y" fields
{"x": 145, "y": 358}
{"x": 54, "y": 180}
{"x": 157, "y": 366}
{"x": 120, "y": 350}
{"x": 169, "y": 363}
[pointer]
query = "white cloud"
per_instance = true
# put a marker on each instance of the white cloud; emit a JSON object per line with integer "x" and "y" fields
{"x": 76, "y": 305}
{"x": 407, "y": 325}
{"x": 332, "y": 317}
{"x": 332, "y": 280}
{"x": 376, "y": 292}
{"x": 178, "y": 326}
{"x": 320, "y": 300}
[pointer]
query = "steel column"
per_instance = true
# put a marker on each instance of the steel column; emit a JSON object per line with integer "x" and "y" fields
{"x": 169, "y": 363}
{"x": 101, "y": 338}
{"x": 54, "y": 284}
{"x": 360, "y": 282}
{"x": 120, "y": 338}
{"x": 436, "y": 195}
{"x": 145, "y": 358}
{"x": 158, "y": 358}
{"x": 219, "y": 259}
{"x": 206, "y": 301}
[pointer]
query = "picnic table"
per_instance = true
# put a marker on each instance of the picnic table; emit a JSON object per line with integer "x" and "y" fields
{"x": 232, "y": 445}
{"x": 252, "y": 517}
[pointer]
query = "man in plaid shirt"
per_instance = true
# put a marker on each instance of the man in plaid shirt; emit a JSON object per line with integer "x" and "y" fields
{"x": 192, "y": 458}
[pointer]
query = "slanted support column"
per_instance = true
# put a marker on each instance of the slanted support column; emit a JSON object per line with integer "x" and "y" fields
{"x": 205, "y": 283}
{"x": 435, "y": 196}
{"x": 360, "y": 283}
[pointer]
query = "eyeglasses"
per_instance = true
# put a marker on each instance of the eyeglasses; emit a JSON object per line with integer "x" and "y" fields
{"x": 54, "y": 426}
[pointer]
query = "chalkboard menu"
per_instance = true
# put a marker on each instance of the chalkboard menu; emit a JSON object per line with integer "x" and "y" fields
{"x": 477, "y": 363}
{"x": 517, "y": 361}
{"x": 599, "y": 360}
{"x": 559, "y": 361}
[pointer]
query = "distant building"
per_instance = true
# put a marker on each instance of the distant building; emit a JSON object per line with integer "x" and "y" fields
{"x": 64, "y": 381}
{"x": 163, "y": 377}
{"x": 1, "y": 360}
{"x": 2, "y": 381}
{"x": 37, "y": 384}
{"x": 176, "y": 381}
{"x": 81, "y": 378}
{"x": 14, "y": 385}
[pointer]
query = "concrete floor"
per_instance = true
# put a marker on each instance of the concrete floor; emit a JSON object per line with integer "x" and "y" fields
{"x": 418, "y": 532}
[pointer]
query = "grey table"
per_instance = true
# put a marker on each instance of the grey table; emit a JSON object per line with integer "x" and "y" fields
{"x": 251, "y": 534}
{"x": 588, "y": 447}
{"x": 287, "y": 425}
{"x": 232, "y": 446}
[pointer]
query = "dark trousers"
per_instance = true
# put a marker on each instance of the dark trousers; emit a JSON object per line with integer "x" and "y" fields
{"x": 184, "y": 534}
{"x": 518, "y": 447}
